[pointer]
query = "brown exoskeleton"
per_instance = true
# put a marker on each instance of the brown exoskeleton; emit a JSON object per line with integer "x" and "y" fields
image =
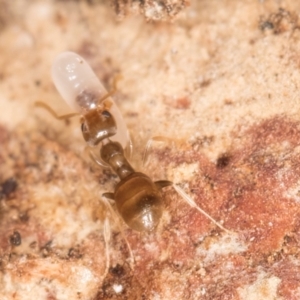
{"x": 138, "y": 199}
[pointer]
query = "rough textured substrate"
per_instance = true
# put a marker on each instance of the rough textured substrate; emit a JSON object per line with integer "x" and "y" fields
{"x": 221, "y": 83}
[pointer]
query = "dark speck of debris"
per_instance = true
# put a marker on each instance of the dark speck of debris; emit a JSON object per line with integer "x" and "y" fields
{"x": 74, "y": 253}
{"x": 279, "y": 22}
{"x": 15, "y": 239}
{"x": 118, "y": 270}
{"x": 24, "y": 216}
{"x": 223, "y": 161}
{"x": 266, "y": 25}
{"x": 33, "y": 244}
{"x": 205, "y": 83}
{"x": 46, "y": 249}
{"x": 8, "y": 187}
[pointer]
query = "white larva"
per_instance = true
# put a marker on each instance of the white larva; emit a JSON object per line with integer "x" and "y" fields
{"x": 82, "y": 90}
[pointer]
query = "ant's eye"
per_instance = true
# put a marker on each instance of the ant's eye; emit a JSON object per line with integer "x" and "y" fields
{"x": 106, "y": 114}
{"x": 85, "y": 132}
{"x": 83, "y": 127}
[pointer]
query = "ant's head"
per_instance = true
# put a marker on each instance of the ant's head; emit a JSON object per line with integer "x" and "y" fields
{"x": 97, "y": 126}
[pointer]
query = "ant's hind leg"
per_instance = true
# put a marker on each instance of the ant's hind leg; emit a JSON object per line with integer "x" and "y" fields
{"x": 53, "y": 113}
{"x": 116, "y": 219}
{"x": 107, "y": 237}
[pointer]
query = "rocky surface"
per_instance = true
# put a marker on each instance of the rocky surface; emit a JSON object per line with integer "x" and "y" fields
{"x": 219, "y": 84}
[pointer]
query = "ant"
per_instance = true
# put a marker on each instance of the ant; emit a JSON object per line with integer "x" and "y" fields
{"x": 138, "y": 199}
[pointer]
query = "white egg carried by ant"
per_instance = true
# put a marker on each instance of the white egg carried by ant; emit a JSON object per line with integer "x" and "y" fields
{"x": 82, "y": 90}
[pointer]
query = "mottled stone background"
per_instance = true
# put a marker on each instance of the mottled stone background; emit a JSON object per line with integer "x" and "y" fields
{"x": 220, "y": 81}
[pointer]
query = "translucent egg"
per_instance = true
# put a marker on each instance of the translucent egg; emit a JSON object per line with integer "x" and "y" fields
{"x": 82, "y": 90}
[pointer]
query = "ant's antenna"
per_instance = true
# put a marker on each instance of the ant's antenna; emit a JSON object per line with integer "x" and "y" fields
{"x": 193, "y": 204}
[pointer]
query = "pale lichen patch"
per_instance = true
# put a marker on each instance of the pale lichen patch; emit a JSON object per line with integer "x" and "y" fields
{"x": 223, "y": 246}
{"x": 182, "y": 172}
{"x": 264, "y": 288}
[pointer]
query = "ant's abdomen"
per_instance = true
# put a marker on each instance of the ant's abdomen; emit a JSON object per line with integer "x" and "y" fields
{"x": 139, "y": 202}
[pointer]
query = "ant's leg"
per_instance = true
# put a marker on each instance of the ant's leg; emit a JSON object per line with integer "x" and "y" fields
{"x": 117, "y": 78}
{"x": 92, "y": 153}
{"x": 107, "y": 236}
{"x": 53, "y": 113}
{"x": 149, "y": 144}
{"x": 164, "y": 183}
{"x": 116, "y": 219}
{"x": 129, "y": 149}
{"x": 193, "y": 204}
